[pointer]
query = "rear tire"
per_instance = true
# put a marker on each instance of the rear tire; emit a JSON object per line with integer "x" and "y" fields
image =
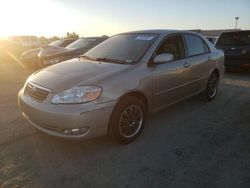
{"x": 211, "y": 89}
{"x": 127, "y": 120}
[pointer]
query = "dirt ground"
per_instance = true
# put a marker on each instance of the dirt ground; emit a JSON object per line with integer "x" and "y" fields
{"x": 191, "y": 144}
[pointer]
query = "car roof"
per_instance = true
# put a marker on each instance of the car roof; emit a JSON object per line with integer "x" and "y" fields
{"x": 69, "y": 39}
{"x": 95, "y": 37}
{"x": 160, "y": 31}
{"x": 232, "y": 32}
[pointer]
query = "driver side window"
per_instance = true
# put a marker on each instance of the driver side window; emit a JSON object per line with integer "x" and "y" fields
{"x": 172, "y": 45}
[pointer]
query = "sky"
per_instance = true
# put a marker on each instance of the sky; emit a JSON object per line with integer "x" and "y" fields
{"x": 97, "y": 17}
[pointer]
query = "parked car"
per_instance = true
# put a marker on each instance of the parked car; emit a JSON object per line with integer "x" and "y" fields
{"x": 10, "y": 50}
{"x": 111, "y": 88}
{"x": 75, "y": 49}
{"x": 236, "y": 46}
{"x": 63, "y": 42}
{"x": 30, "y": 57}
{"x": 26, "y": 41}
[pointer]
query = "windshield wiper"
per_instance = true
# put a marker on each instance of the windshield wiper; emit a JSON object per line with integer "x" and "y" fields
{"x": 88, "y": 57}
{"x": 104, "y": 59}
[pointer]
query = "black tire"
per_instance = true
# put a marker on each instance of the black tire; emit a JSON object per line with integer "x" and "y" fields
{"x": 211, "y": 89}
{"x": 128, "y": 116}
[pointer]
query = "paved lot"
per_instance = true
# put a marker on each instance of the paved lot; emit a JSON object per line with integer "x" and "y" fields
{"x": 192, "y": 144}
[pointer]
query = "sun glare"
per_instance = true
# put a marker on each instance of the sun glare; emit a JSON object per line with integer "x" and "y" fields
{"x": 28, "y": 17}
{"x": 50, "y": 18}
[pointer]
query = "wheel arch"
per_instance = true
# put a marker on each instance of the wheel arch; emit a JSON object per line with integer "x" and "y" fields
{"x": 139, "y": 95}
{"x": 215, "y": 71}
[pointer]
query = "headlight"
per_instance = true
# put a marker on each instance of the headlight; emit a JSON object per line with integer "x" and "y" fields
{"x": 77, "y": 95}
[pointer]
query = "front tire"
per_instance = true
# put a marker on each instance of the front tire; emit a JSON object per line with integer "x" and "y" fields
{"x": 127, "y": 120}
{"x": 211, "y": 89}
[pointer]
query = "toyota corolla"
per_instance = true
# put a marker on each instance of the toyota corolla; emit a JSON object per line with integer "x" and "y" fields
{"x": 114, "y": 86}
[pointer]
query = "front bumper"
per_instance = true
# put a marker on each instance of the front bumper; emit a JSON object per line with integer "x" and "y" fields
{"x": 54, "y": 119}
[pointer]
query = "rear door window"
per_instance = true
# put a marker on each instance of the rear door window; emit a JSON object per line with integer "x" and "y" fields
{"x": 195, "y": 45}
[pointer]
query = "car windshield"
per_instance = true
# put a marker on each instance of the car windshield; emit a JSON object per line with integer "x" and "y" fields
{"x": 56, "y": 43}
{"x": 82, "y": 43}
{"x": 125, "y": 48}
{"x": 234, "y": 39}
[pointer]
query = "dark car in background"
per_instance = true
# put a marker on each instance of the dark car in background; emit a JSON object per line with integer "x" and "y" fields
{"x": 58, "y": 54}
{"x": 30, "y": 57}
{"x": 236, "y": 46}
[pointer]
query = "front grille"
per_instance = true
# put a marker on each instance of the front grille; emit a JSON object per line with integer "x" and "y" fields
{"x": 36, "y": 92}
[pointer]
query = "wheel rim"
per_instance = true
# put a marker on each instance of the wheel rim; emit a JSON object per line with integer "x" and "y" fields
{"x": 212, "y": 87}
{"x": 131, "y": 121}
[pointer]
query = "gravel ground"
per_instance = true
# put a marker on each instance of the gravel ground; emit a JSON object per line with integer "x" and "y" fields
{"x": 191, "y": 144}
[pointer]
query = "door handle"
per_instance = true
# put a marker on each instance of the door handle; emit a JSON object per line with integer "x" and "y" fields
{"x": 186, "y": 65}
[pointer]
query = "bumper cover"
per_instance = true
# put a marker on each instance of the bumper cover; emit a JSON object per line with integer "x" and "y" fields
{"x": 53, "y": 119}
{"x": 237, "y": 63}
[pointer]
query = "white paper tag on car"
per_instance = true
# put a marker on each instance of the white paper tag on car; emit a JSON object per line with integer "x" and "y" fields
{"x": 144, "y": 37}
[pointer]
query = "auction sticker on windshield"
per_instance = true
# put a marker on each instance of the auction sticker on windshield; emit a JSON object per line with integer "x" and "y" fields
{"x": 144, "y": 37}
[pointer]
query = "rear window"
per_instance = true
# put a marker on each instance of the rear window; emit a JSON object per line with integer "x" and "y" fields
{"x": 67, "y": 42}
{"x": 234, "y": 39}
{"x": 56, "y": 43}
{"x": 195, "y": 45}
{"x": 82, "y": 43}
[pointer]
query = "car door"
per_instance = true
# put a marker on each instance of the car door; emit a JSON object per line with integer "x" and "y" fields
{"x": 199, "y": 61}
{"x": 170, "y": 79}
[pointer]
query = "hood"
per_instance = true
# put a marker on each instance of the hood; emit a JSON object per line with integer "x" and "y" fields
{"x": 75, "y": 72}
{"x": 31, "y": 53}
{"x": 55, "y": 51}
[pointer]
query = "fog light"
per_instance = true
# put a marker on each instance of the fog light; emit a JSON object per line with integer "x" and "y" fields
{"x": 75, "y": 131}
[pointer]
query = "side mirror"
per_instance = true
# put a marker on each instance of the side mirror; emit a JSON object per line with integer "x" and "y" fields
{"x": 163, "y": 58}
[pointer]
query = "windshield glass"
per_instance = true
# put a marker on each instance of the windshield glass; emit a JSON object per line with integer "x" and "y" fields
{"x": 234, "y": 39}
{"x": 125, "y": 47}
{"x": 81, "y": 43}
{"x": 56, "y": 43}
